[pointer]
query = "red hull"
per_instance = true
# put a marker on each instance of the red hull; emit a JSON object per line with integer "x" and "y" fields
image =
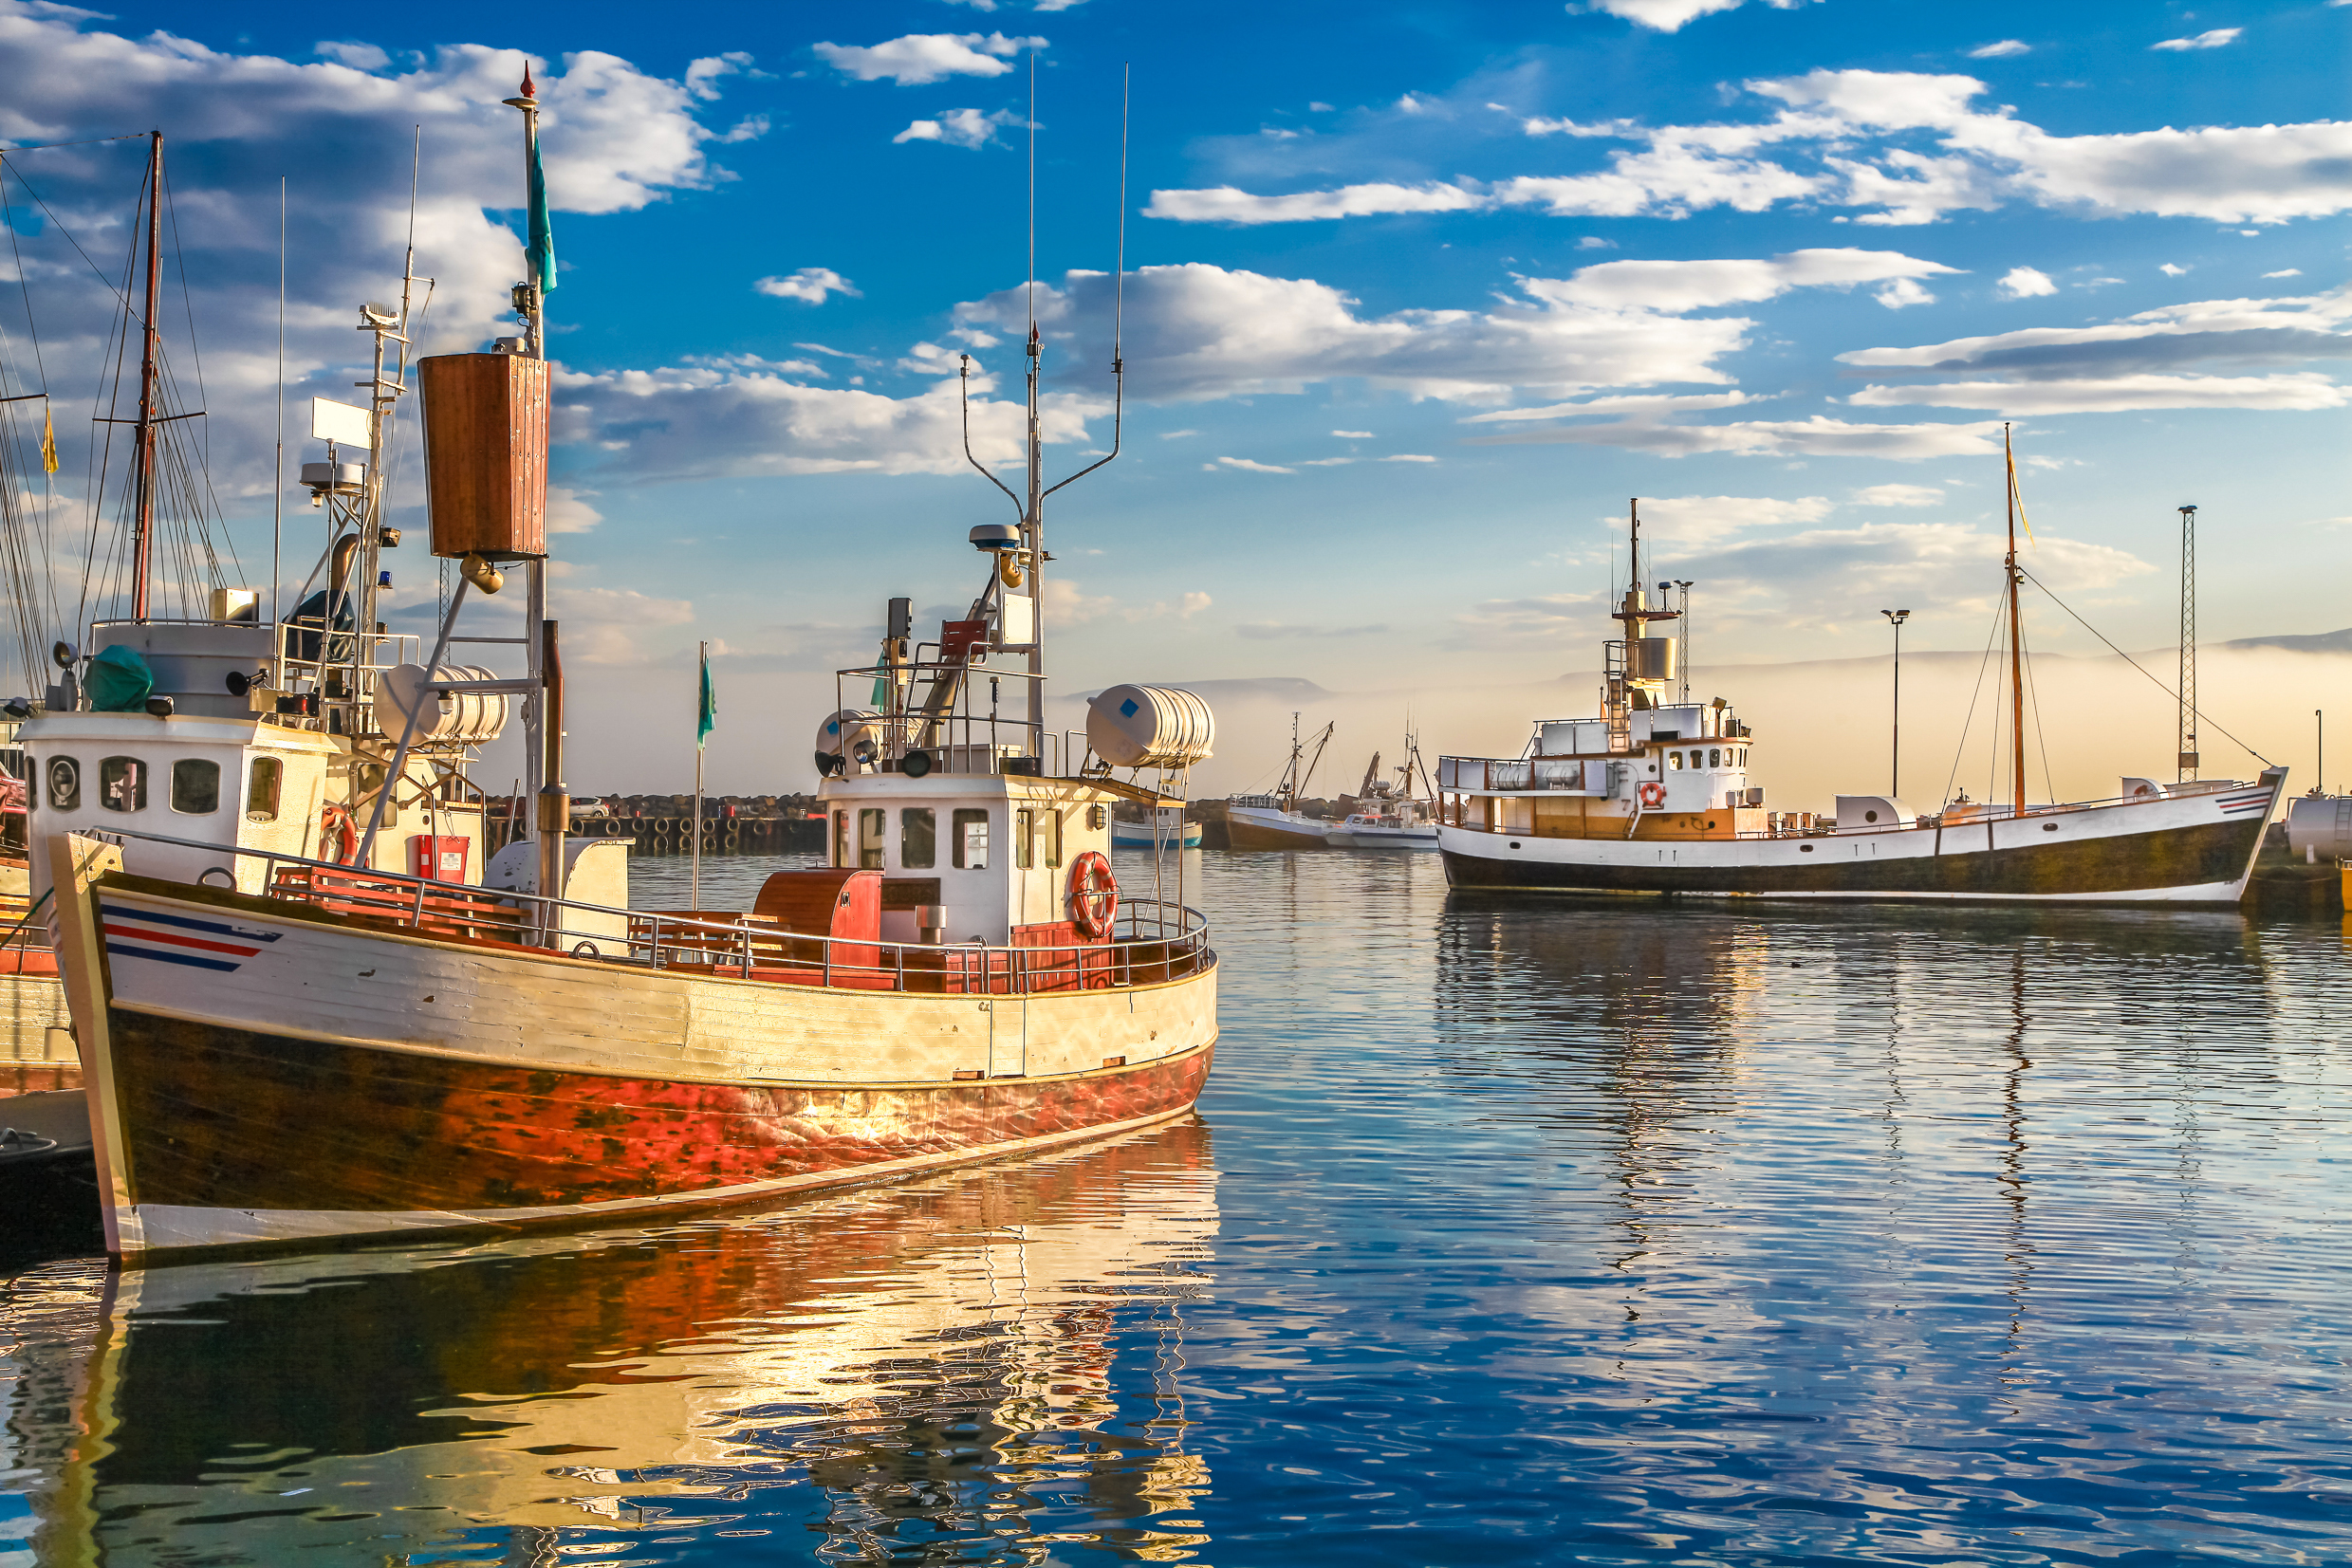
{"x": 228, "y": 1119}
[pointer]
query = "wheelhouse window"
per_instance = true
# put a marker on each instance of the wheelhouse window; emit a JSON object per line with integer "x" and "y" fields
{"x": 1715, "y": 759}
{"x": 122, "y": 783}
{"x": 970, "y": 849}
{"x": 1674, "y": 762}
{"x": 65, "y": 780}
{"x": 195, "y": 786}
{"x": 1025, "y": 840}
{"x": 841, "y": 837}
{"x": 263, "y": 784}
{"x": 872, "y": 824}
{"x": 918, "y": 837}
{"x": 1050, "y": 829}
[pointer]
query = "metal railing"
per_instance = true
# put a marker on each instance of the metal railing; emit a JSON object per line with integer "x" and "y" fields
{"x": 1150, "y": 941}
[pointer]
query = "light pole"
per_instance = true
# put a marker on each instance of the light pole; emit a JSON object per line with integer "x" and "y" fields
{"x": 2319, "y": 774}
{"x": 1895, "y": 766}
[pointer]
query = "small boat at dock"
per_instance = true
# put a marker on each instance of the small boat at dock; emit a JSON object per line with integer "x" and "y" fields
{"x": 1389, "y": 814}
{"x": 1163, "y": 829}
{"x": 1274, "y": 821}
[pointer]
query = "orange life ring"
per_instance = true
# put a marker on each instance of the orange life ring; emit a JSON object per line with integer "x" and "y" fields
{"x": 1653, "y": 796}
{"x": 334, "y": 822}
{"x": 1094, "y": 896}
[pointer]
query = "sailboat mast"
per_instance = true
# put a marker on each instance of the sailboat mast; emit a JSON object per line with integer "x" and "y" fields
{"x": 2017, "y": 639}
{"x": 143, "y": 451}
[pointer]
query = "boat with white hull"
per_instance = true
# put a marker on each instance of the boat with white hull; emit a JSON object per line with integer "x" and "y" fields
{"x": 1275, "y": 821}
{"x": 1651, "y": 795}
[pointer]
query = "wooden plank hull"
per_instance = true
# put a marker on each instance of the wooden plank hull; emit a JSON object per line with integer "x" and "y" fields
{"x": 2198, "y": 850}
{"x": 264, "y": 1073}
{"x": 1248, "y": 827}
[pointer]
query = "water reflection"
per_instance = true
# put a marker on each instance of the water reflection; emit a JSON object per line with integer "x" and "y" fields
{"x": 954, "y": 1371}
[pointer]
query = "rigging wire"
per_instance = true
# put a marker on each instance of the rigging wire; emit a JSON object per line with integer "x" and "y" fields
{"x": 2156, "y": 681}
{"x": 1959, "y": 752}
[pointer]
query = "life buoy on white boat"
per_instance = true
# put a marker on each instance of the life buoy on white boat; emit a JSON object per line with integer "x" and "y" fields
{"x": 1094, "y": 896}
{"x": 338, "y": 835}
{"x": 1653, "y": 796}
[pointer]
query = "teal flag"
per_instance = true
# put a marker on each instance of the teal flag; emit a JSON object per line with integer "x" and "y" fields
{"x": 706, "y": 710}
{"x": 542, "y": 248}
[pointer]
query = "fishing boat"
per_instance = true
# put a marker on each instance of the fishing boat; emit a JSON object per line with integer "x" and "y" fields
{"x": 1163, "y": 829}
{"x": 1651, "y": 795}
{"x": 1275, "y": 821}
{"x": 288, "y": 1041}
{"x": 1390, "y": 815}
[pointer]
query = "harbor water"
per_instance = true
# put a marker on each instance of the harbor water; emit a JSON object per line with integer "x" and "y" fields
{"x": 1607, "y": 1231}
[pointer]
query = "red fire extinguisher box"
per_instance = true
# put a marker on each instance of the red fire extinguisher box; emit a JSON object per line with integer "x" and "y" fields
{"x": 441, "y": 858}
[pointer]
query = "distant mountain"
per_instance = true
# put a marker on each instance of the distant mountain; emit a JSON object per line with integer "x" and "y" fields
{"x": 2317, "y": 642}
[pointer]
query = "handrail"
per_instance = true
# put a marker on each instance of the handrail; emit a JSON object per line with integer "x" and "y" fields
{"x": 403, "y": 898}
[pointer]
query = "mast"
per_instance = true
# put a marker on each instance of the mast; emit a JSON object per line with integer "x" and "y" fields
{"x": 2188, "y": 758}
{"x": 2017, "y": 639}
{"x": 530, "y": 302}
{"x": 143, "y": 452}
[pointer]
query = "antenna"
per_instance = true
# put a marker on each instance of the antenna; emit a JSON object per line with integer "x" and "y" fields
{"x": 1119, "y": 293}
{"x": 277, "y": 486}
{"x": 2188, "y": 758}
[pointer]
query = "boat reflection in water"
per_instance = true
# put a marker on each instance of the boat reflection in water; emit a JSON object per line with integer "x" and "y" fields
{"x": 956, "y": 1369}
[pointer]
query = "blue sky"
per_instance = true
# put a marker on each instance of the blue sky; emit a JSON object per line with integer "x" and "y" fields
{"x": 1783, "y": 267}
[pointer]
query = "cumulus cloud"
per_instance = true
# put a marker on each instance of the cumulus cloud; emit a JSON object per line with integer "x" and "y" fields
{"x": 810, "y": 284}
{"x": 746, "y": 418}
{"x": 1819, "y": 436}
{"x": 1671, "y": 16}
{"x": 2213, "y": 38}
{"x": 1197, "y": 331}
{"x": 2024, "y": 283}
{"x": 1676, "y": 287}
{"x": 569, "y": 511}
{"x": 2000, "y": 51}
{"x": 924, "y": 57}
{"x": 1247, "y": 466}
{"x": 1678, "y": 524}
{"x": 1849, "y": 138}
{"x": 603, "y": 625}
{"x": 967, "y": 128}
{"x": 2116, "y": 394}
{"x": 1353, "y": 435}
{"x": 1897, "y": 495}
{"x": 2286, "y": 272}
{"x": 1408, "y": 457}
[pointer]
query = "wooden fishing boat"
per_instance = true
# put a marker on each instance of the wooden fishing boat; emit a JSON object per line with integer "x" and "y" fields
{"x": 288, "y": 1040}
{"x": 1651, "y": 795}
{"x": 1275, "y": 821}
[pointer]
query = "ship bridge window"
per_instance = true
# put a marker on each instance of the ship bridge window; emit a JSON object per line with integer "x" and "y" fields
{"x": 263, "y": 784}
{"x": 969, "y": 846}
{"x": 195, "y": 786}
{"x": 122, "y": 783}
{"x": 871, "y": 826}
{"x": 918, "y": 837}
{"x": 841, "y": 837}
{"x": 1674, "y": 761}
{"x": 1049, "y": 831}
{"x": 1023, "y": 840}
{"x": 1715, "y": 759}
{"x": 65, "y": 775}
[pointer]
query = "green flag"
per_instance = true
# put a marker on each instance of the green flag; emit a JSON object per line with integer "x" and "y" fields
{"x": 541, "y": 251}
{"x": 706, "y": 710}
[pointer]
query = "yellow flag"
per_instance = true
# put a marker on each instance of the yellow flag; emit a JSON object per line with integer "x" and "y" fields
{"x": 48, "y": 439}
{"x": 2018, "y": 499}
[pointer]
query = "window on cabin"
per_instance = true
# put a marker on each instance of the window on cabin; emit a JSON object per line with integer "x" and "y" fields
{"x": 1714, "y": 758}
{"x": 64, "y": 776}
{"x": 918, "y": 837}
{"x": 262, "y": 786}
{"x": 1050, "y": 829}
{"x": 1025, "y": 840}
{"x": 1674, "y": 761}
{"x": 195, "y": 786}
{"x": 872, "y": 824}
{"x": 969, "y": 849}
{"x": 122, "y": 783}
{"x": 840, "y": 838}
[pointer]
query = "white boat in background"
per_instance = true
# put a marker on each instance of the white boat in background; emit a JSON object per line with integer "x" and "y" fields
{"x": 1274, "y": 821}
{"x": 1169, "y": 828}
{"x": 1391, "y": 815}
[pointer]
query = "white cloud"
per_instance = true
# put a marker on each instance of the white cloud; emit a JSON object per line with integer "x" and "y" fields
{"x": 1594, "y": 242}
{"x": 1353, "y": 435}
{"x": 2025, "y": 283}
{"x": 1903, "y": 292}
{"x": 1849, "y": 138}
{"x": 1676, "y": 287}
{"x": 1639, "y": 402}
{"x": 923, "y": 57}
{"x": 1058, "y": 4}
{"x": 810, "y": 284}
{"x": 2116, "y": 394}
{"x": 2001, "y": 50}
{"x": 1819, "y": 436}
{"x": 1197, "y": 331}
{"x": 969, "y": 128}
{"x": 1688, "y": 522}
{"x": 1408, "y": 457}
{"x": 2172, "y": 271}
{"x": 1247, "y": 465}
{"x": 569, "y": 511}
{"x": 1327, "y": 462}
{"x": 2213, "y": 38}
{"x": 600, "y": 625}
{"x": 360, "y": 57}
{"x": 2291, "y": 272}
{"x": 2235, "y": 332}
{"x": 1897, "y": 495}
{"x": 1670, "y": 15}
{"x": 1176, "y": 435}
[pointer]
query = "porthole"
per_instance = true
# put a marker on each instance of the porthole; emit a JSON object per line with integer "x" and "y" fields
{"x": 1870, "y": 816}
{"x": 65, "y": 774}
{"x": 1805, "y": 849}
{"x": 2050, "y": 827}
{"x": 1514, "y": 843}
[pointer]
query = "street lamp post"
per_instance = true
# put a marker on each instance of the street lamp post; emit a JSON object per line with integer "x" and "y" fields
{"x": 1895, "y": 767}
